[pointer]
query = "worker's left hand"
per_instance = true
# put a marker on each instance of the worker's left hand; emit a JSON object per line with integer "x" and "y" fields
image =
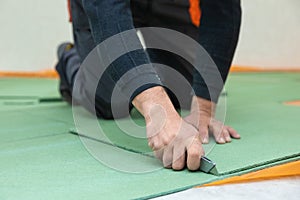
{"x": 202, "y": 117}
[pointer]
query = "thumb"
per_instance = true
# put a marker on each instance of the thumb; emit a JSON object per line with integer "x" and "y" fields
{"x": 203, "y": 132}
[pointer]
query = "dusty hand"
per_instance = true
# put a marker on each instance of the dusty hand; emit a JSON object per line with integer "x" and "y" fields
{"x": 175, "y": 142}
{"x": 202, "y": 117}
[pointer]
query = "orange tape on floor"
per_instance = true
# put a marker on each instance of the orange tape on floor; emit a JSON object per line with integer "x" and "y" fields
{"x": 293, "y": 103}
{"x": 280, "y": 171}
{"x": 262, "y": 69}
{"x": 38, "y": 74}
{"x": 51, "y": 73}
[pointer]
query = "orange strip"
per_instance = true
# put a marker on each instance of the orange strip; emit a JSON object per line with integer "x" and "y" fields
{"x": 51, "y": 73}
{"x": 195, "y": 12}
{"x": 69, "y": 10}
{"x": 40, "y": 74}
{"x": 261, "y": 69}
{"x": 292, "y": 103}
{"x": 285, "y": 170}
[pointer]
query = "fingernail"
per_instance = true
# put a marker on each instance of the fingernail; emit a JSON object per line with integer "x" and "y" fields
{"x": 205, "y": 140}
{"x": 228, "y": 139}
{"x": 222, "y": 140}
{"x": 150, "y": 144}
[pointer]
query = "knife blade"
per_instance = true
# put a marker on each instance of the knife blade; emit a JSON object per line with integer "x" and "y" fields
{"x": 208, "y": 166}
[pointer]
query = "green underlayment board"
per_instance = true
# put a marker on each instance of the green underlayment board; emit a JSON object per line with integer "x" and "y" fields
{"x": 28, "y": 88}
{"x": 40, "y": 159}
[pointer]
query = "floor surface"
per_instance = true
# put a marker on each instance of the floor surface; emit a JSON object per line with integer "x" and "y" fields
{"x": 43, "y": 158}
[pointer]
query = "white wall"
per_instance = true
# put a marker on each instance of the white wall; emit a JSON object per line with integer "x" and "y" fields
{"x": 31, "y": 30}
{"x": 270, "y": 35}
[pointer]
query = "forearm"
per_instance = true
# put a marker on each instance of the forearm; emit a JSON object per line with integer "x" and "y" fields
{"x": 219, "y": 32}
{"x": 152, "y": 101}
{"x": 119, "y": 47}
{"x": 203, "y": 106}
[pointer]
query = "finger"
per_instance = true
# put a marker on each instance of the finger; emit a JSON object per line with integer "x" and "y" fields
{"x": 168, "y": 157}
{"x": 166, "y": 139}
{"x": 219, "y": 137}
{"x": 157, "y": 142}
{"x": 150, "y": 144}
{"x": 226, "y": 135}
{"x": 233, "y": 133}
{"x": 194, "y": 153}
{"x": 203, "y": 132}
{"x": 159, "y": 154}
{"x": 216, "y": 129}
{"x": 178, "y": 157}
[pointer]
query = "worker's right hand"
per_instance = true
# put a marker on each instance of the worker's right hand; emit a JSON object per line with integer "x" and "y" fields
{"x": 175, "y": 142}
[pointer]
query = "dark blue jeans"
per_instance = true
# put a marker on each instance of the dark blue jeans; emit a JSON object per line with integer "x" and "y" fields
{"x": 96, "y": 20}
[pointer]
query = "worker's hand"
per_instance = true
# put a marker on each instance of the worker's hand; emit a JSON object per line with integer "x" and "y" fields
{"x": 175, "y": 142}
{"x": 202, "y": 117}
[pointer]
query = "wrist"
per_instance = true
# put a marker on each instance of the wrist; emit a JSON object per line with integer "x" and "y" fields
{"x": 203, "y": 107}
{"x": 153, "y": 101}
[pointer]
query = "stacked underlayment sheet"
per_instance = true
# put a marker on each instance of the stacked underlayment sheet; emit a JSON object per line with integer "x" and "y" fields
{"x": 42, "y": 155}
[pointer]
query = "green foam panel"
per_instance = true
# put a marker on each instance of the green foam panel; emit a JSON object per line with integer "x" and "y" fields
{"x": 40, "y": 160}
